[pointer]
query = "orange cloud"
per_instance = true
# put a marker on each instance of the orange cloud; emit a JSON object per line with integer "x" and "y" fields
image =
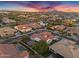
{"x": 66, "y": 8}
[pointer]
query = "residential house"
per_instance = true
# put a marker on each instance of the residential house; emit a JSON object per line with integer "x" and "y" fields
{"x": 10, "y": 51}
{"x": 7, "y": 31}
{"x": 51, "y": 19}
{"x": 42, "y": 23}
{"x": 5, "y": 12}
{"x": 66, "y": 48}
{"x": 72, "y": 30}
{"x": 6, "y": 20}
{"x": 35, "y": 25}
{"x": 23, "y": 27}
{"x": 58, "y": 27}
{"x": 69, "y": 22}
{"x": 45, "y": 36}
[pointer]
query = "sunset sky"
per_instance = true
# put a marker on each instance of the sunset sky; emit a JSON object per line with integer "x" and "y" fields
{"x": 40, "y": 6}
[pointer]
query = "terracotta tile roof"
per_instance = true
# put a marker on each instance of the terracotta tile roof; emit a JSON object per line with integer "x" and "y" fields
{"x": 35, "y": 35}
{"x": 10, "y": 51}
{"x": 7, "y": 31}
{"x": 35, "y": 25}
{"x": 24, "y": 54}
{"x": 23, "y": 26}
{"x": 43, "y": 36}
{"x": 58, "y": 27}
{"x": 46, "y": 35}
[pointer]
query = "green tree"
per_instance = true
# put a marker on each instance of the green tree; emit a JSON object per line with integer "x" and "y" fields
{"x": 42, "y": 48}
{"x": 49, "y": 25}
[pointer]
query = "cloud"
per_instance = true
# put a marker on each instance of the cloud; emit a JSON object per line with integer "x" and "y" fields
{"x": 44, "y": 6}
